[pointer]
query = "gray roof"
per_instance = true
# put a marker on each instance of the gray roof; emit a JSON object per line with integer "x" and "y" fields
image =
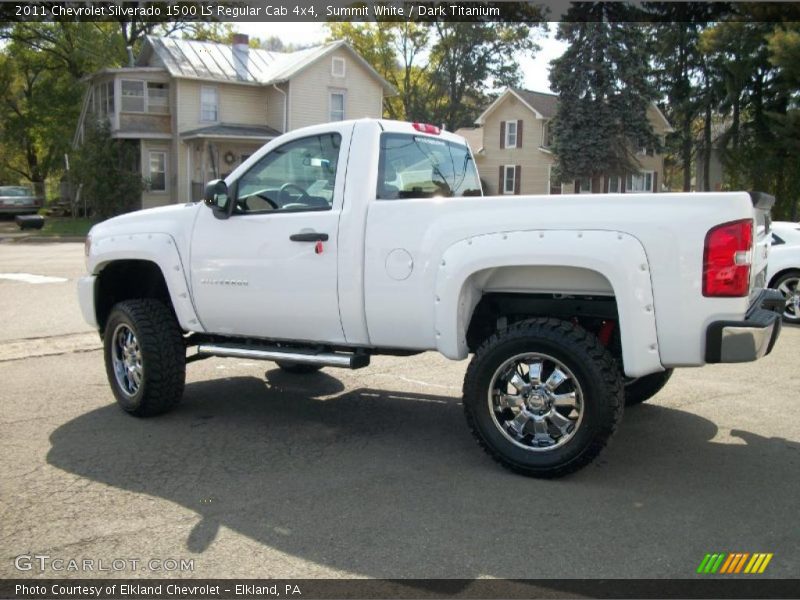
{"x": 545, "y": 104}
{"x": 210, "y": 61}
{"x": 221, "y": 130}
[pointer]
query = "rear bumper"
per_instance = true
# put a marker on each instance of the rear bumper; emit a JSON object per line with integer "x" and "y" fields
{"x": 86, "y": 300}
{"x": 750, "y": 339}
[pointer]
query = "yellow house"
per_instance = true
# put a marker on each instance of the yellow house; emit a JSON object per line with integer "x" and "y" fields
{"x": 512, "y": 150}
{"x": 197, "y": 110}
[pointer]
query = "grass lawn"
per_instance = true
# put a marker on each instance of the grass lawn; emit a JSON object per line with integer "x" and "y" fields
{"x": 65, "y": 226}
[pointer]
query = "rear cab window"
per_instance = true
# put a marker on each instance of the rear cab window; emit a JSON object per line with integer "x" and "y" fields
{"x": 422, "y": 166}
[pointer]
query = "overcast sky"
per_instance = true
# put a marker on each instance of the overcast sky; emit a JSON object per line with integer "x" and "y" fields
{"x": 536, "y": 70}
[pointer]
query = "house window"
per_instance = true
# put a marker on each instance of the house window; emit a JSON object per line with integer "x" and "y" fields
{"x": 337, "y": 106}
{"x": 158, "y": 171}
{"x": 547, "y": 135}
{"x": 104, "y": 98}
{"x": 511, "y": 134}
{"x": 157, "y": 97}
{"x": 109, "y": 98}
{"x": 554, "y": 185}
{"x": 583, "y": 185}
{"x": 640, "y": 182}
{"x": 209, "y": 104}
{"x": 509, "y": 179}
{"x": 338, "y": 66}
{"x": 132, "y": 96}
{"x": 615, "y": 184}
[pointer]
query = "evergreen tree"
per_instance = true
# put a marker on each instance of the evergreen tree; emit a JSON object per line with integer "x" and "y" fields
{"x": 604, "y": 87}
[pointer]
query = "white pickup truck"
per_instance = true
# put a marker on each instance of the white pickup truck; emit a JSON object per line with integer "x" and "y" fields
{"x": 345, "y": 240}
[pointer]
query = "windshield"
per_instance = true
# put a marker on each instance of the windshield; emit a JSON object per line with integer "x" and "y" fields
{"x": 15, "y": 190}
{"x": 418, "y": 166}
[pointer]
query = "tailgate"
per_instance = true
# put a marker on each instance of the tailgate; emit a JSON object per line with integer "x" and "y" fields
{"x": 762, "y": 204}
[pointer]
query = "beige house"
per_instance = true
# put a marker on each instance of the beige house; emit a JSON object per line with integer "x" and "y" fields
{"x": 512, "y": 150}
{"x": 197, "y": 110}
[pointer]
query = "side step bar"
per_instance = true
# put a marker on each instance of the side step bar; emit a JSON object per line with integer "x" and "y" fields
{"x": 323, "y": 359}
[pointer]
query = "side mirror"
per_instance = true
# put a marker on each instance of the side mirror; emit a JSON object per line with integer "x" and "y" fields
{"x": 217, "y": 199}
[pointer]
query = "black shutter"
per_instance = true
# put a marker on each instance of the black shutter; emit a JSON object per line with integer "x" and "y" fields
{"x": 502, "y": 134}
{"x": 517, "y": 177}
{"x": 519, "y": 133}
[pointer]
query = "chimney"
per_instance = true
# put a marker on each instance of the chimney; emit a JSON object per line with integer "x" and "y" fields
{"x": 241, "y": 42}
{"x": 131, "y": 59}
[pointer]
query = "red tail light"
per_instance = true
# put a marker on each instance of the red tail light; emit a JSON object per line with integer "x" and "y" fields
{"x": 726, "y": 259}
{"x": 426, "y": 128}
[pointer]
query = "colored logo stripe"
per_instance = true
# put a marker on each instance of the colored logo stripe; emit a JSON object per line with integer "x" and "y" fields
{"x": 735, "y": 562}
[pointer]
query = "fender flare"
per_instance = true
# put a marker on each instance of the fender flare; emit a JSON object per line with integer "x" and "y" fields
{"x": 619, "y": 257}
{"x": 157, "y": 248}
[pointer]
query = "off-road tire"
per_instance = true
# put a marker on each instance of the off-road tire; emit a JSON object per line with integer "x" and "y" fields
{"x": 297, "y": 368}
{"x": 163, "y": 356}
{"x": 643, "y": 388}
{"x": 592, "y": 366}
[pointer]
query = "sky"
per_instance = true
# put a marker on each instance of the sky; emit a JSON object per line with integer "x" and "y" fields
{"x": 536, "y": 69}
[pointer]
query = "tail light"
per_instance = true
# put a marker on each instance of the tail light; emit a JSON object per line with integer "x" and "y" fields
{"x": 726, "y": 259}
{"x": 426, "y": 128}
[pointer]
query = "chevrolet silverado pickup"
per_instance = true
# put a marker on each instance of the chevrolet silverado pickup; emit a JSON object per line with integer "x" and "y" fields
{"x": 341, "y": 241}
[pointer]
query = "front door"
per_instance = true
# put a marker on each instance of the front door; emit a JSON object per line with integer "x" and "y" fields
{"x": 270, "y": 270}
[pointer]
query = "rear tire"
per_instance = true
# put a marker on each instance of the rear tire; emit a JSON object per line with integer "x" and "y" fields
{"x": 643, "y": 388}
{"x": 297, "y": 368}
{"x": 543, "y": 398}
{"x": 145, "y": 357}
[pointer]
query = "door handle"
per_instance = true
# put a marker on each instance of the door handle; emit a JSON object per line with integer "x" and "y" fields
{"x": 311, "y": 236}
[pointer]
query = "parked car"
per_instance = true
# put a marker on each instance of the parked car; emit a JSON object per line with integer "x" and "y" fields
{"x": 19, "y": 200}
{"x": 327, "y": 246}
{"x": 783, "y": 272}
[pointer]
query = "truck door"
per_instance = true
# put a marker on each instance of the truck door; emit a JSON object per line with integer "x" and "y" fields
{"x": 270, "y": 270}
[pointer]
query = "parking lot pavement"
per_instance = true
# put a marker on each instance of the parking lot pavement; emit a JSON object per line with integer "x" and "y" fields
{"x": 372, "y": 473}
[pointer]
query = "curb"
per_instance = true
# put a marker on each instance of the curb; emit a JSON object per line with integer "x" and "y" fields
{"x": 43, "y": 239}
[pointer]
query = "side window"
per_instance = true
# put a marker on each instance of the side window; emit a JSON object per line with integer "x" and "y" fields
{"x": 299, "y": 175}
{"x": 417, "y": 166}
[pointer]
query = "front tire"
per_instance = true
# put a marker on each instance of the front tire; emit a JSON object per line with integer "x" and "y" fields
{"x": 145, "y": 357}
{"x": 543, "y": 398}
{"x": 643, "y": 388}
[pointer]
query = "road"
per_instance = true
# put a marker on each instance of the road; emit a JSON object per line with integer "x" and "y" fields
{"x": 369, "y": 473}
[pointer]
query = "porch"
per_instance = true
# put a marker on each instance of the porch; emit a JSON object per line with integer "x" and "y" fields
{"x": 215, "y": 152}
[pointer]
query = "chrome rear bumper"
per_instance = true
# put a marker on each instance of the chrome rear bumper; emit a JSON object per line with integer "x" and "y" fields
{"x": 750, "y": 339}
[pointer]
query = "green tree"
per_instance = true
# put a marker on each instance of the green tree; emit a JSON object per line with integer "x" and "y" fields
{"x": 468, "y": 60}
{"x": 604, "y": 88}
{"x": 39, "y": 106}
{"x": 683, "y": 77}
{"x": 753, "y": 53}
{"x": 106, "y": 169}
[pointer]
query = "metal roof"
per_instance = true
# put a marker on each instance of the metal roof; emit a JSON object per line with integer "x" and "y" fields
{"x": 210, "y": 61}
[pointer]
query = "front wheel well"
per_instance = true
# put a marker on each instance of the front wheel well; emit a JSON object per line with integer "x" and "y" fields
{"x": 125, "y": 280}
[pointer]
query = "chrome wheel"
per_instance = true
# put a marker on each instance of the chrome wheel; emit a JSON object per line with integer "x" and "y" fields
{"x": 536, "y": 402}
{"x": 791, "y": 292}
{"x": 126, "y": 358}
